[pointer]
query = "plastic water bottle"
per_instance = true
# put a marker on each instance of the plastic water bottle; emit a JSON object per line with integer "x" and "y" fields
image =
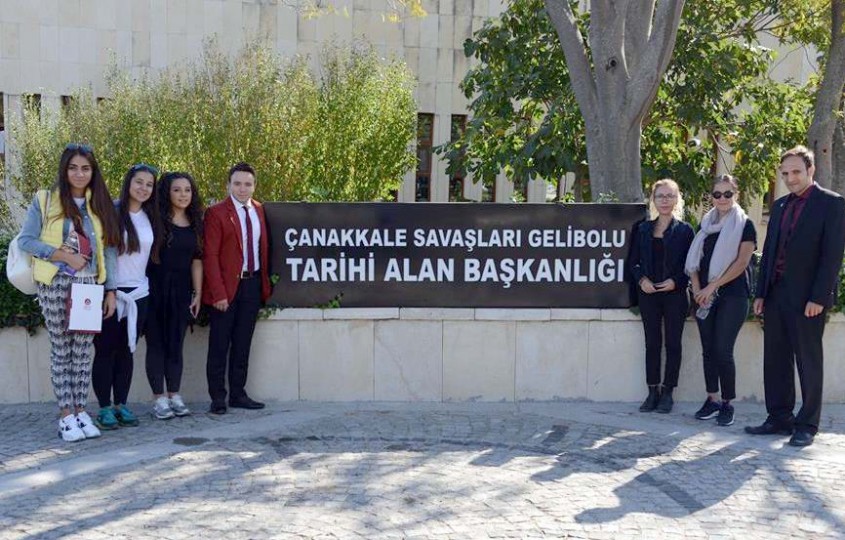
{"x": 703, "y": 311}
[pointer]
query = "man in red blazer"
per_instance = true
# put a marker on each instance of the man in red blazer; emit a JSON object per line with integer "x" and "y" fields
{"x": 236, "y": 283}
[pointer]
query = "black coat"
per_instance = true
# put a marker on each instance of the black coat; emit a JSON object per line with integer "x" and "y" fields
{"x": 814, "y": 253}
{"x": 677, "y": 239}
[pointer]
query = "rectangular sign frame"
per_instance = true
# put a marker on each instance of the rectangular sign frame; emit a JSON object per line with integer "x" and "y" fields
{"x": 451, "y": 254}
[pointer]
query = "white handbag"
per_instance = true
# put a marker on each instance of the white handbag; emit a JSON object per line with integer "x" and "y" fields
{"x": 19, "y": 262}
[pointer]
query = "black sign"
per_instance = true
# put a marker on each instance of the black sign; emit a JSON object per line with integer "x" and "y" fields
{"x": 451, "y": 255}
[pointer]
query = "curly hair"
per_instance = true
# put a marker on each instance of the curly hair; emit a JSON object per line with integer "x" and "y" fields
{"x": 165, "y": 212}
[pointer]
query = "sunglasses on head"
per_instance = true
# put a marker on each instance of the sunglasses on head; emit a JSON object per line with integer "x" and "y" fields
{"x": 719, "y": 194}
{"x": 75, "y": 147}
{"x": 144, "y": 167}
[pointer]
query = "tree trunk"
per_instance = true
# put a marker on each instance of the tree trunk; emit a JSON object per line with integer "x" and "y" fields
{"x": 829, "y": 98}
{"x": 615, "y": 162}
{"x": 631, "y": 43}
{"x": 838, "y": 183}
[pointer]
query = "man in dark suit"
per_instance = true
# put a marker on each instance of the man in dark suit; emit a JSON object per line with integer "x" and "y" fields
{"x": 236, "y": 283}
{"x": 795, "y": 287}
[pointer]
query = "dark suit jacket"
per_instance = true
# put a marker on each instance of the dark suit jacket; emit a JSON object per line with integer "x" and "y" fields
{"x": 814, "y": 253}
{"x": 677, "y": 239}
{"x": 223, "y": 253}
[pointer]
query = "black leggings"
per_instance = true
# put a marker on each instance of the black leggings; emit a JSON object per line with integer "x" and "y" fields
{"x": 113, "y": 361}
{"x": 659, "y": 310}
{"x": 718, "y": 337}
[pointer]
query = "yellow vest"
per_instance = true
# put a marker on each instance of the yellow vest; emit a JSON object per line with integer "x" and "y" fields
{"x": 52, "y": 234}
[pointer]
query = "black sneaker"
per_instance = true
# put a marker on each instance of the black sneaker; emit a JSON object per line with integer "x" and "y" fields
{"x": 709, "y": 410}
{"x": 726, "y": 415}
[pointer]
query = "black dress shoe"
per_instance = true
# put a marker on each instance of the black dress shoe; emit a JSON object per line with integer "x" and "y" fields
{"x": 769, "y": 427}
{"x": 217, "y": 407}
{"x": 802, "y": 438}
{"x": 651, "y": 400}
{"x": 245, "y": 402}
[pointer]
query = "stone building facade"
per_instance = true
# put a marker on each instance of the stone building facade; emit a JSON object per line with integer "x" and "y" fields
{"x": 51, "y": 47}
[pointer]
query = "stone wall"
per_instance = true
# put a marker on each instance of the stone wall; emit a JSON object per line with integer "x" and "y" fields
{"x": 52, "y": 47}
{"x": 410, "y": 354}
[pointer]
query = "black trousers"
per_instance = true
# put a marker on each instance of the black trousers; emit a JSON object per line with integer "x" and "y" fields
{"x": 718, "y": 336}
{"x": 792, "y": 339}
{"x": 113, "y": 361}
{"x": 661, "y": 311}
{"x": 230, "y": 338}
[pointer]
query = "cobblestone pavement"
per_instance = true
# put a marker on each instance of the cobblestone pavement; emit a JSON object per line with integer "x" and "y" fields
{"x": 376, "y": 470}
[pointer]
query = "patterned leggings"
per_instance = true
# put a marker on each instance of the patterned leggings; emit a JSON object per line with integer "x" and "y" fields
{"x": 71, "y": 353}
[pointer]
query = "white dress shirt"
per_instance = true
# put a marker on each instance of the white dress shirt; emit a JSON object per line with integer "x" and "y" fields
{"x": 256, "y": 230}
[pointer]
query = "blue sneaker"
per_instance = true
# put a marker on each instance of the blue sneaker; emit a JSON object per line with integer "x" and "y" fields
{"x": 124, "y": 416}
{"x": 106, "y": 419}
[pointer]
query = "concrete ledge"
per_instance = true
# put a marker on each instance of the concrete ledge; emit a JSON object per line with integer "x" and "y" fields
{"x": 370, "y": 314}
{"x": 619, "y": 315}
{"x": 297, "y": 314}
{"x": 580, "y": 314}
{"x": 488, "y": 314}
{"x": 14, "y": 381}
{"x": 437, "y": 314}
{"x": 434, "y": 354}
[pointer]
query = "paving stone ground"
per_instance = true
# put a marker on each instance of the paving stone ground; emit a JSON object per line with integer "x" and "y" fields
{"x": 434, "y": 471}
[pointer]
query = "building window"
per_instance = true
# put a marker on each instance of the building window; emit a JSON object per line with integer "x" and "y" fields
{"x": 456, "y": 180}
{"x": 2, "y": 130}
{"x": 67, "y": 102}
{"x": 488, "y": 193}
{"x": 425, "y": 138}
{"x": 33, "y": 102}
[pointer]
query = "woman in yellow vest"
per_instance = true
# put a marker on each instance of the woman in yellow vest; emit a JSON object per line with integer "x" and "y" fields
{"x": 75, "y": 244}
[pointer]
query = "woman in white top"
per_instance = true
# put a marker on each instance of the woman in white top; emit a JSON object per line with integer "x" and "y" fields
{"x": 115, "y": 345}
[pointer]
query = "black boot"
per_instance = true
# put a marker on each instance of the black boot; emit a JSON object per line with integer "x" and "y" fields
{"x": 651, "y": 401}
{"x": 665, "y": 404}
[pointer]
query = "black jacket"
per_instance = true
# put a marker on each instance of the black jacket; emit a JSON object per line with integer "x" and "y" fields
{"x": 677, "y": 239}
{"x": 814, "y": 253}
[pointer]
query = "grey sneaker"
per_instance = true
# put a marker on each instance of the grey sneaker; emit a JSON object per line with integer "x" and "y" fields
{"x": 178, "y": 406}
{"x": 161, "y": 408}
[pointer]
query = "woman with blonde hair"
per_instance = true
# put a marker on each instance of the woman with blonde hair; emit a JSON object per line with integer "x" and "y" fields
{"x": 658, "y": 252}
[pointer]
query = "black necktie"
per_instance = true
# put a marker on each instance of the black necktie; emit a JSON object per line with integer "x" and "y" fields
{"x": 250, "y": 259}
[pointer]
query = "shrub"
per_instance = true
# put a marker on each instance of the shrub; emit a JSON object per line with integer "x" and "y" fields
{"x": 344, "y": 135}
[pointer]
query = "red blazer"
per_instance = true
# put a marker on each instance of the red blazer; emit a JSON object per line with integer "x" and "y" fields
{"x": 223, "y": 258}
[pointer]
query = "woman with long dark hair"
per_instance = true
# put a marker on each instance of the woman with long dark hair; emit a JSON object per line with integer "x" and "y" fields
{"x": 175, "y": 276}
{"x": 115, "y": 345}
{"x": 73, "y": 241}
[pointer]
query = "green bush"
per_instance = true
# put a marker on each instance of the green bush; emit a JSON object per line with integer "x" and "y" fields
{"x": 16, "y": 308}
{"x": 345, "y": 135}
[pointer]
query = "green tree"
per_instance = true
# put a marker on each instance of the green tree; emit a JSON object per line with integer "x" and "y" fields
{"x": 715, "y": 92}
{"x": 345, "y": 135}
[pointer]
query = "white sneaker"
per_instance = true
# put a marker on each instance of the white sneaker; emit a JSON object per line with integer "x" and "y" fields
{"x": 178, "y": 406}
{"x": 161, "y": 408}
{"x": 69, "y": 429}
{"x": 87, "y": 425}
